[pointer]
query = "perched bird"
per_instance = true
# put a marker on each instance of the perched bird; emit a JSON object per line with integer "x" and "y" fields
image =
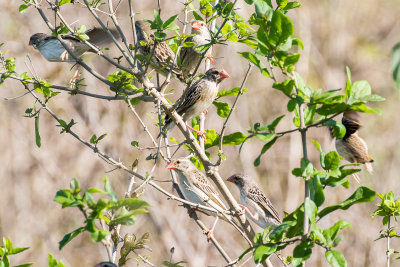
{"x": 352, "y": 147}
{"x": 161, "y": 55}
{"x": 190, "y": 56}
{"x": 51, "y": 48}
{"x": 196, "y": 187}
{"x": 106, "y": 264}
{"x": 198, "y": 97}
{"x": 255, "y": 202}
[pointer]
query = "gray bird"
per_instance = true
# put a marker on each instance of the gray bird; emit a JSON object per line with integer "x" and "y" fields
{"x": 51, "y": 48}
{"x": 197, "y": 188}
{"x": 190, "y": 56}
{"x": 161, "y": 55}
{"x": 198, "y": 97}
{"x": 256, "y": 204}
{"x": 352, "y": 147}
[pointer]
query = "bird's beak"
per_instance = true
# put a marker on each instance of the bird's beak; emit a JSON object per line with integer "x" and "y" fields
{"x": 171, "y": 166}
{"x": 196, "y": 25}
{"x": 230, "y": 179}
{"x": 224, "y": 75}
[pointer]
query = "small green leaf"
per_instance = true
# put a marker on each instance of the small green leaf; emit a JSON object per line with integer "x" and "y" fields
{"x": 37, "y": 134}
{"x": 233, "y": 91}
{"x": 223, "y": 108}
{"x": 262, "y": 252}
{"x": 110, "y": 192}
{"x": 331, "y": 161}
{"x": 68, "y": 237}
{"x": 99, "y": 235}
{"x": 22, "y": 8}
{"x": 362, "y": 194}
{"x": 311, "y": 210}
{"x": 286, "y": 86}
{"x": 263, "y": 150}
{"x": 335, "y": 258}
{"x": 135, "y": 143}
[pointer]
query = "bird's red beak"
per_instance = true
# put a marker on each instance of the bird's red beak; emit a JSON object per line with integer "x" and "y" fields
{"x": 171, "y": 166}
{"x": 196, "y": 25}
{"x": 230, "y": 179}
{"x": 224, "y": 74}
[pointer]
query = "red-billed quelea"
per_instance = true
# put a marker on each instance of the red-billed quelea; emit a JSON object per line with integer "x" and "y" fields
{"x": 51, "y": 48}
{"x": 352, "y": 147}
{"x": 198, "y": 97}
{"x": 161, "y": 55}
{"x": 256, "y": 204}
{"x": 197, "y": 188}
{"x": 190, "y": 56}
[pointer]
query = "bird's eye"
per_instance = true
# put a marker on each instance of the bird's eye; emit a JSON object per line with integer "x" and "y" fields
{"x": 177, "y": 162}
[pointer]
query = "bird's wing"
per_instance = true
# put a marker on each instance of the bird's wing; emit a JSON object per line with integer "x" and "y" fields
{"x": 200, "y": 181}
{"x": 192, "y": 95}
{"x": 256, "y": 194}
{"x": 350, "y": 122}
{"x": 185, "y": 50}
{"x": 98, "y": 36}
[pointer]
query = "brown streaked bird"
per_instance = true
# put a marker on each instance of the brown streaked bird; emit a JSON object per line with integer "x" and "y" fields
{"x": 190, "y": 56}
{"x": 198, "y": 98}
{"x": 197, "y": 188}
{"x": 352, "y": 147}
{"x": 52, "y": 49}
{"x": 256, "y": 204}
{"x": 161, "y": 55}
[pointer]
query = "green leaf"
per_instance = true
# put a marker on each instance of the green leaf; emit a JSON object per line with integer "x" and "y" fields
{"x": 331, "y": 233}
{"x": 37, "y": 134}
{"x": 256, "y": 61}
{"x": 110, "y": 192}
{"x": 68, "y": 237}
{"x": 362, "y": 194}
{"x": 395, "y": 65}
{"x": 53, "y": 262}
{"x": 263, "y": 150}
{"x": 339, "y": 130}
{"x": 316, "y": 191}
{"x": 335, "y": 258}
{"x": 234, "y": 139}
{"x": 262, "y": 252}
{"x": 281, "y": 28}
{"x": 99, "y": 235}
{"x": 302, "y": 252}
{"x": 265, "y": 137}
{"x": 286, "y": 86}
{"x": 223, "y": 108}
{"x": 233, "y": 91}
{"x": 157, "y": 23}
{"x": 17, "y": 250}
{"x": 129, "y": 203}
{"x": 169, "y": 21}
{"x": 62, "y": 2}
{"x": 22, "y": 8}
{"x": 310, "y": 210}
{"x": 262, "y": 7}
{"x": 331, "y": 161}
{"x": 24, "y": 265}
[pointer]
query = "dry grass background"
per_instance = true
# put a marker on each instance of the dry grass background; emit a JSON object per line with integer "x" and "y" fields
{"x": 337, "y": 33}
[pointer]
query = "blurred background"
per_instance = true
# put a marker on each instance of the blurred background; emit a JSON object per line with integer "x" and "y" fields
{"x": 336, "y": 34}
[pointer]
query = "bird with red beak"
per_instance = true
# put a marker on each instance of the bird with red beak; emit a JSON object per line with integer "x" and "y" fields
{"x": 190, "y": 56}
{"x": 198, "y": 98}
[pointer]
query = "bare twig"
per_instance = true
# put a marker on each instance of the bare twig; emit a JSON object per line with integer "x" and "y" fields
{"x": 221, "y": 135}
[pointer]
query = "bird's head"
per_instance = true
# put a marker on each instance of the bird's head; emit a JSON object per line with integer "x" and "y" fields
{"x": 199, "y": 27}
{"x": 144, "y": 33}
{"x": 238, "y": 179}
{"x": 216, "y": 75}
{"x": 181, "y": 164}
{"x": 36, "y": 39}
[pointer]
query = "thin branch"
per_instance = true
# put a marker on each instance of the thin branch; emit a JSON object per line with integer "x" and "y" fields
{"x": 221, "y": 135}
